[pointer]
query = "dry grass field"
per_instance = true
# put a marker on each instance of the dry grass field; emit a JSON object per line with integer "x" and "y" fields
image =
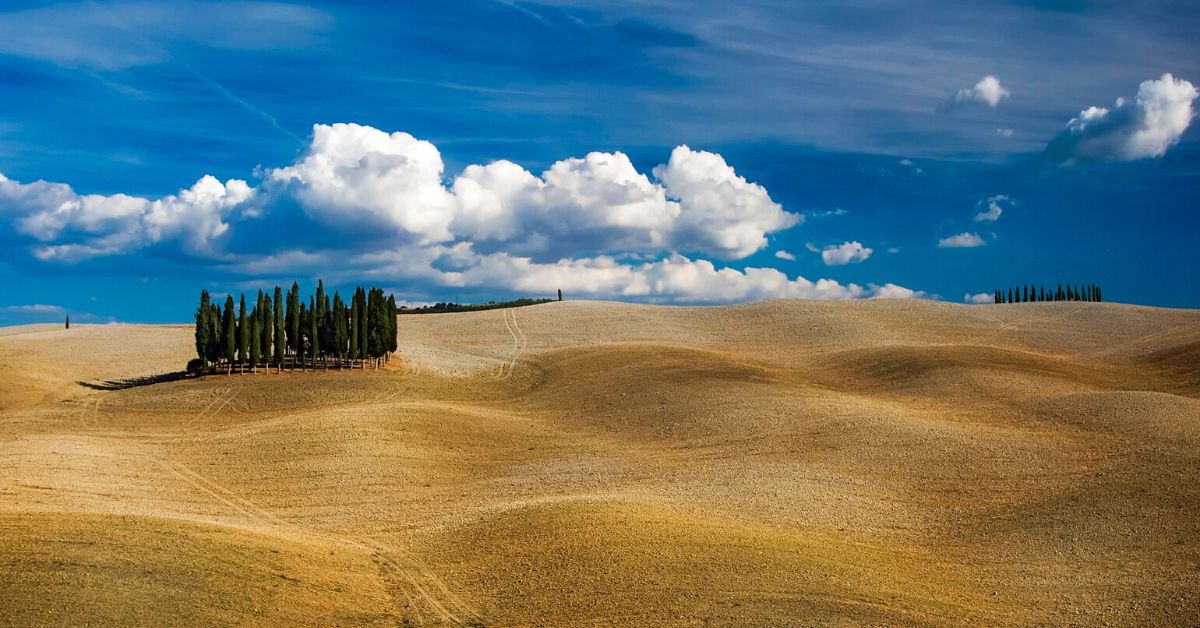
{"x": 581, "y": 463}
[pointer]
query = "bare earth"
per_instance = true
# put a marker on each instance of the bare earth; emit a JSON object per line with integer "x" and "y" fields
{"x": 781, "y": 463}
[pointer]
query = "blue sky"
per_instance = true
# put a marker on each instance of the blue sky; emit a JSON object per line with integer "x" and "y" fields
{"x": 479, "y": 150}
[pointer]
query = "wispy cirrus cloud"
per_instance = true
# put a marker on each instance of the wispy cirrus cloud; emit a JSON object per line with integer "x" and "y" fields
{"x": 119, "y": 35}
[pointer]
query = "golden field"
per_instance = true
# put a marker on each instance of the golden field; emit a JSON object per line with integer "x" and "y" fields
{"x": 586, "y": 463}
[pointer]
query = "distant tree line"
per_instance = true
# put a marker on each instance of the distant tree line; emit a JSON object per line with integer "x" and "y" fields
{"x": 442, "y": 308}
{"x": 1031, "y": 293}
{"x": 282, "y": 331}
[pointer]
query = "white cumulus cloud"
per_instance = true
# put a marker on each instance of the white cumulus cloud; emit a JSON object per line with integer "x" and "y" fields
{"x": 791, "y": 257}
{"x": 961, "y": 241}
{"x": 987, "y": 91}
{"x": 982, "y": 297}
{"x": 71, "y": 227}
{"x": 1143, "y": 127}
{"x": 845, "y": 253}
{"x": 593, "y": 225}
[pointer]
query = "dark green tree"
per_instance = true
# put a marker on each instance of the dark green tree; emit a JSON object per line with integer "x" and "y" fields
{"x": 314, "y": 332}
{"x": 278, "y": 328}
{"x": 266, "y": 327}
{"x": 293, "y": 319}
{"x": 67, "y": 323}
{"x": 363, "y": 323}
{"x": 202, "y": 324}
{"x": 341, "y": 331}
{"x": 301, "y": 336}
{"x": 376, "y": 325}
{"x": 393, "y": 331}
{"x": 352, "y": 349}
{"x": 255, "y": 346}
{"x": 243, "y": 335}
{"x": 229, "y": 335}
{"x": 214, "y": 333}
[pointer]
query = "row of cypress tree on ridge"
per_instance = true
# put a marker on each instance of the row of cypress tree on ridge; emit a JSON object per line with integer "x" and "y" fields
{"x": 1031, "y": 293}
{"x": 283, "y": 332}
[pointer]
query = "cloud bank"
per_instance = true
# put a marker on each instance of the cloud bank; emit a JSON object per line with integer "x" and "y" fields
{"x": 1144, "y": 127}
{"x": 380, "y": 204}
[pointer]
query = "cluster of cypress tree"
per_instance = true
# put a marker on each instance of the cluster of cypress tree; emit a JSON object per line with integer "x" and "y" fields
{"x": 1032, "y": 293}
{"x": 285, "y": 332}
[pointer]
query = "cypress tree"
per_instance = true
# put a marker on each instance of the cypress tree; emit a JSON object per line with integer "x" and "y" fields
{"x": 243, "y": 335}
{"x": 293, "y": 319}
{"x": 229, "y": 335}
{"x": 278, "y": 325}
{"x": 392, "y": 313}
{"x": 375, "y": 326}
{"x": 1099, "y": 295}
{"x": 320, "y": 303}
{"x": 314, "y": 331}
{"x": 340, "y": 333}
{"x": 214, "y": 333}
{"x": 202, "y": 327}
{"x": 302, "y": 315}
{"x": 363, "y": 324}
{"x": 352, "y": 350}
{"x": 68, "y": 321}
{"x": 266, "y": 327}
{"x": 255, "y": 345}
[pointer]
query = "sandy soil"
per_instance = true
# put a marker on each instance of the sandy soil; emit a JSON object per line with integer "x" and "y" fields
{"x": 780, "y": 463}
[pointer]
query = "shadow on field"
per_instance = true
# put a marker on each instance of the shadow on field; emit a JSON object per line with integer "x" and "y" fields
{"x": 134, "y": 382}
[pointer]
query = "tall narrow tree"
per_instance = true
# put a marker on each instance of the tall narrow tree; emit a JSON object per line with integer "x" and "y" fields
{"x": 364, "y": 324}
{"x": 229, "y": 335}
{"x": 243, "y": 335}
{"x": 214, "y": 333}
{"x": 314, "y": 333}
{"x": 255, "y": 346}
{"x": 202, "y": 327}
{"x": 266, "y": 327}
{"x": 352, "y": 349}
{"x": 393, "y": 331}
{"x": 278, "y": 327}
{"x": 340, "y": 332}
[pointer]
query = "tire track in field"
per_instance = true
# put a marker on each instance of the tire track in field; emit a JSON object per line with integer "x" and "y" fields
{"x": 417, "y": 578}
{"x": 520, "y": 343}
{"x": 228, "y": 398}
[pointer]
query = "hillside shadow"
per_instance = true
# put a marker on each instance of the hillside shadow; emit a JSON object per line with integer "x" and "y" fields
{"x": 135, "y": 382}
